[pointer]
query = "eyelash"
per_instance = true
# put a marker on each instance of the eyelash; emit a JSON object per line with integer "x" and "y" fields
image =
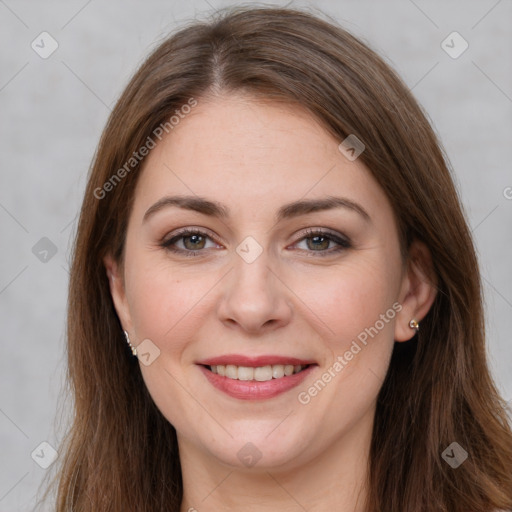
{"x": 343, "y": 243}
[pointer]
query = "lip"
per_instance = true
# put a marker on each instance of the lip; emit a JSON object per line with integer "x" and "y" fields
{"x": 255, "y": 390}
{"x": 253, "y": 362}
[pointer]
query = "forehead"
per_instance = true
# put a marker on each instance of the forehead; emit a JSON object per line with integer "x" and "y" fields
{"x": 257, "y": 154}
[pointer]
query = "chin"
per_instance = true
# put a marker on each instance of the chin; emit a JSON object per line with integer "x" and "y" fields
{"x": 260, "y": 446}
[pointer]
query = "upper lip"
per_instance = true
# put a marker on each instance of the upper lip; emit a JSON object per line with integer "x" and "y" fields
{"x": 265, "y": 360}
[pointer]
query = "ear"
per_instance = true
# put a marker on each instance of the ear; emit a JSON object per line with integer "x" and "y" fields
{"x": 117, "y": 290}
{"x": 418, "y": 291}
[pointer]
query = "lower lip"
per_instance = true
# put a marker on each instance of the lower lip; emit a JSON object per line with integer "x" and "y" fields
{"x": 255, "y": 390}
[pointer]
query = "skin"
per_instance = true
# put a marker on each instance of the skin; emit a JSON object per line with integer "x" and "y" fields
{"x": 254, "y": 157}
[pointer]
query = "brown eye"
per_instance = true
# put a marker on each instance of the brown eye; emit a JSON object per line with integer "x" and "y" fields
{"x": 193, "y": 242}
{"x": 320, "y": 241}
{"x": 189, "y": 242}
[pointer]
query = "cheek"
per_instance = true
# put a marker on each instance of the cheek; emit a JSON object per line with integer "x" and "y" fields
{"x": 167, "y": 304}
{"x": 351, "y": 299}
{"x": 163, "y": 302}
{"x": 167, "y": 307}
{"x": 358, "y": 304}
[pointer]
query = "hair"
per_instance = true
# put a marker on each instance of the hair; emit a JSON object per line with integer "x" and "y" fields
{"x": 120, "y": 453}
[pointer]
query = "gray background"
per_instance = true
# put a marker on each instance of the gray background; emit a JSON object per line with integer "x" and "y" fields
{"x": 52, "y": 113}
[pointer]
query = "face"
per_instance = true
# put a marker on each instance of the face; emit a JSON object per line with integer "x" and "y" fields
{"x": 292, "y": 264}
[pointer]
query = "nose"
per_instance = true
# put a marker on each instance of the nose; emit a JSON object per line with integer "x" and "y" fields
{"x": 254, "y": 298}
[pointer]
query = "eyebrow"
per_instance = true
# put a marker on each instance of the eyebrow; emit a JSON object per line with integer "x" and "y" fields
{"x": 287, "y": 211}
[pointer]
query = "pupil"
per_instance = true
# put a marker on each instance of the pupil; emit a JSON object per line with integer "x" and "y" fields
{"x": 323, "y": 245}
{"x": 196, "y": 240}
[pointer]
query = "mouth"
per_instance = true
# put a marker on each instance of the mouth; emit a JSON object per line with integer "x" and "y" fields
{"x": 258, "y": 373}
{"x": 255, "y": 378}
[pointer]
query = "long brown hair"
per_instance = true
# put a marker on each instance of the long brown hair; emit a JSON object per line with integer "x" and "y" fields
{"x": 120, "y": 453}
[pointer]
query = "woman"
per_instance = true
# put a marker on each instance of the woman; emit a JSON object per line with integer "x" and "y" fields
{"x": 274, "y": 300}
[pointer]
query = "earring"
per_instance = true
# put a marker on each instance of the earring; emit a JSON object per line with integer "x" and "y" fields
{"x": 134, "y": 350}
{"x": 413, "y": 324}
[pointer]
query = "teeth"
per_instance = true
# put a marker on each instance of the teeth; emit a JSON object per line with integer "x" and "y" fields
{"x": 260, "y": 373}
{"x": 231, "y": 371}
{"x": 244, "y": 373}
{"x": 277, "y": 371}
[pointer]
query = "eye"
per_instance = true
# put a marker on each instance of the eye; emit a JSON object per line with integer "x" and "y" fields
{"x": 193, "y": 241}
{"x": 321, "y": 241}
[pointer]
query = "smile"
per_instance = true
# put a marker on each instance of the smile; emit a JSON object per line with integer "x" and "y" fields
{"x": 255, "y": 378}
{"x": 260, "y": 373}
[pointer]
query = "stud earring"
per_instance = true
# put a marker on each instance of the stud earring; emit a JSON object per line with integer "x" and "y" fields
{"x": 134, "y": 350}
{"x": 413, "y": 324}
